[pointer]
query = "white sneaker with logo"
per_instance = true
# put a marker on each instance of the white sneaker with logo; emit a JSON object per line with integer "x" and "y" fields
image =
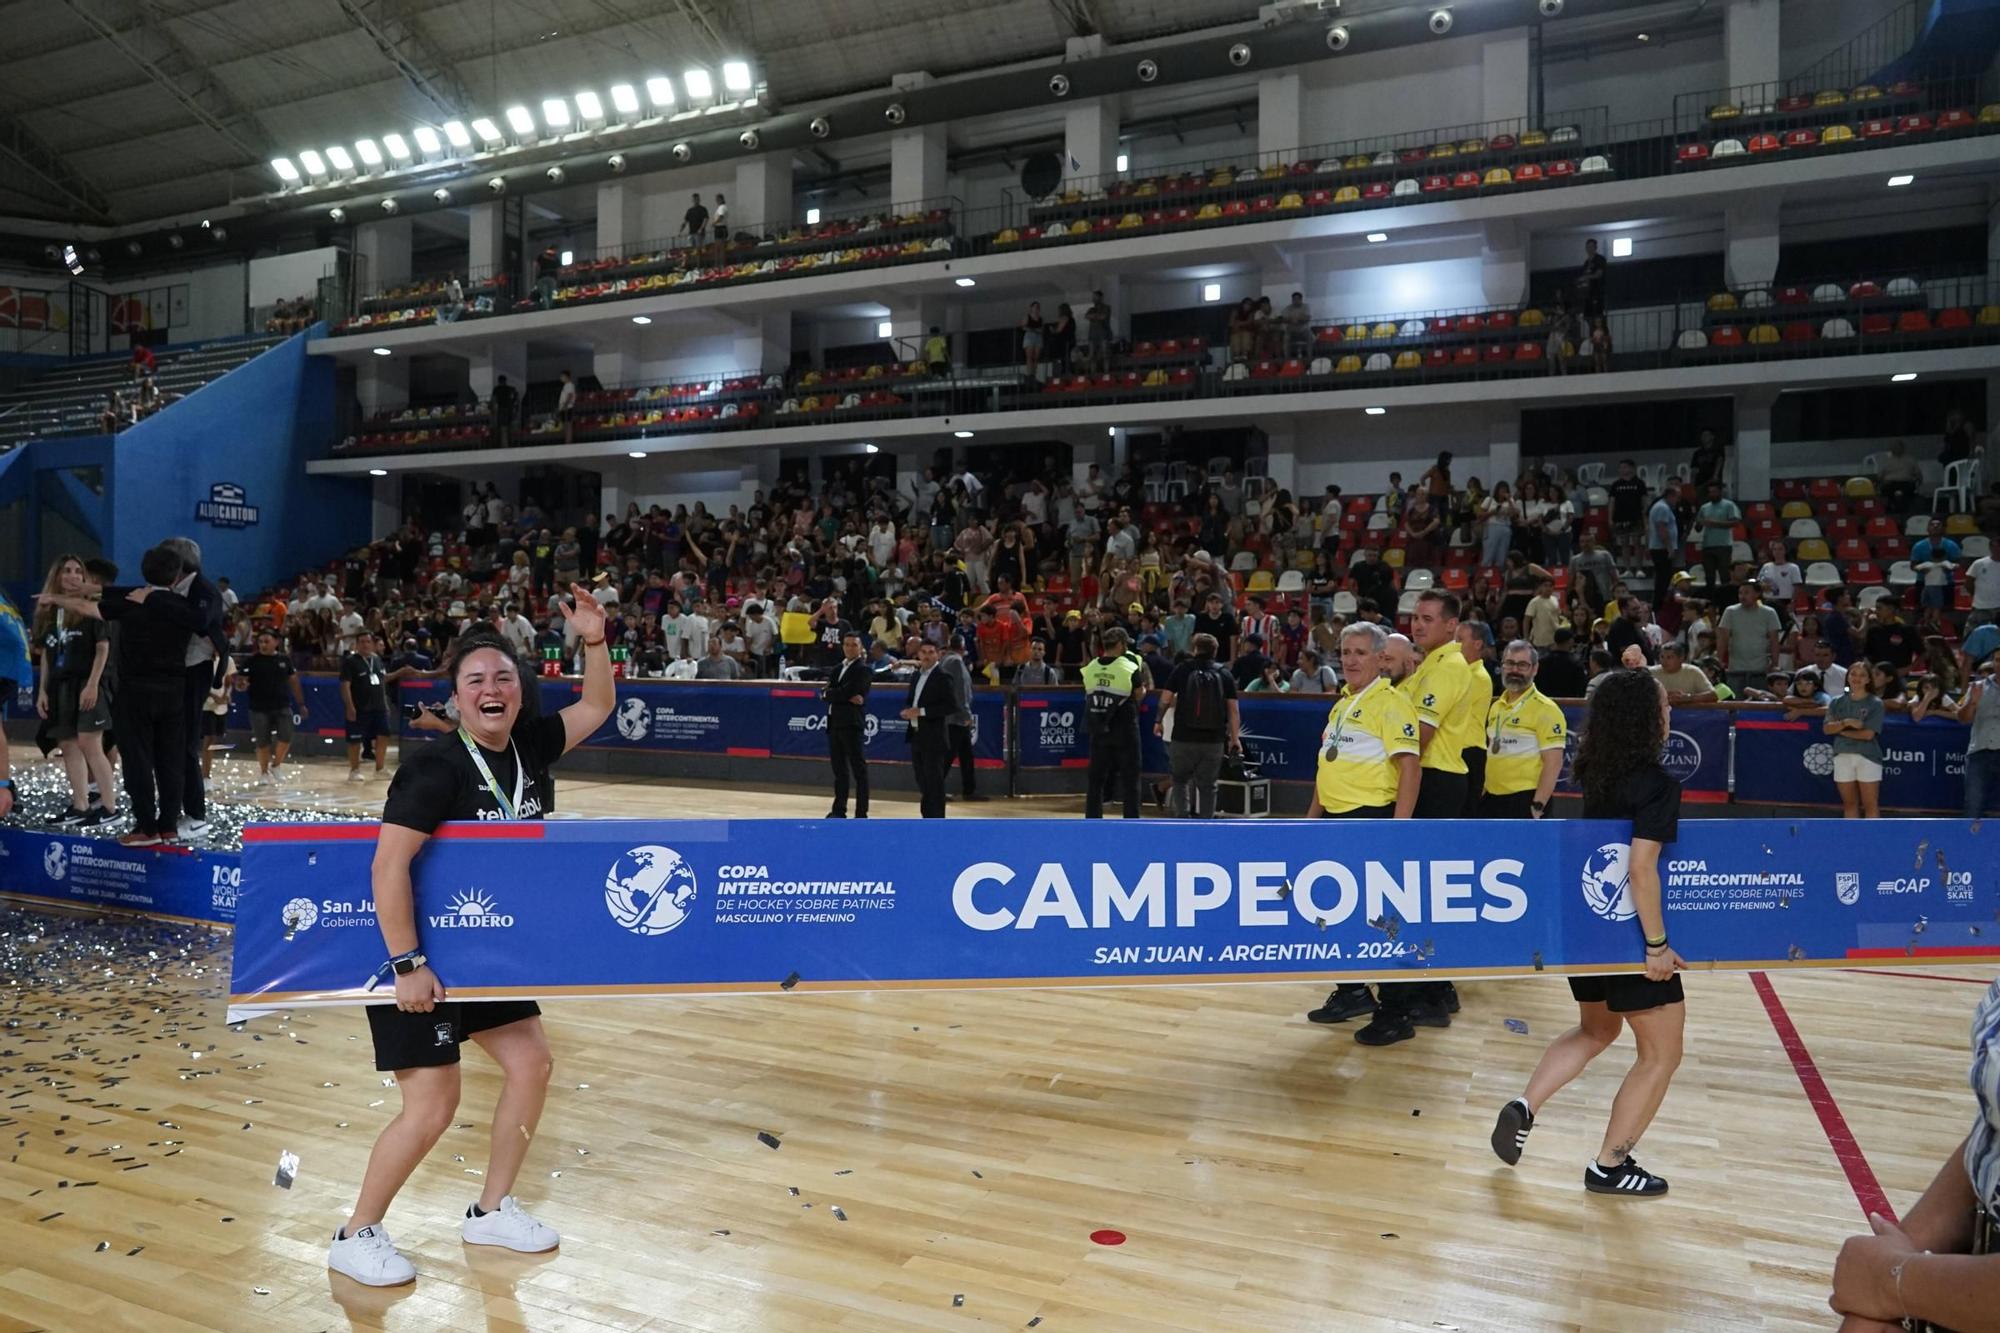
{"x": 370, "y": 1258}
{"x": 509, "y": 1226}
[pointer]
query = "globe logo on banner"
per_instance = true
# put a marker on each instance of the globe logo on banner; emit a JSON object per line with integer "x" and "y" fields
{"x": 1607, "y": 882}
{"x": 649, "y": 890}
{"x": 1819, "y": 759}
{"x": 633, "y": 715}
{"x": 1681, "y": 757}
{"x": 298, "y": 915}
{"x": 56, "y": 861}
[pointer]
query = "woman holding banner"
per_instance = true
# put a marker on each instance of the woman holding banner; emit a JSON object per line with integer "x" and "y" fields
{"x": 495, "y": 768}
{"x": 1618, "y": 768}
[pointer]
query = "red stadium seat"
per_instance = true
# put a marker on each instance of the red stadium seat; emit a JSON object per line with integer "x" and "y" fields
{"x": 1954, "y": 320}
{"x": 1913, "y": 321}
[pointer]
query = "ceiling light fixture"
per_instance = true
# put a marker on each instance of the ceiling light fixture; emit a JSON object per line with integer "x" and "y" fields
{"x": 642, "y": 319}
{"x": 812, "y": 217}
{"x": 520, "y": 120}
{"x": 660, "y": 90}
{"x": 1904, "y": 378}
{"x": 961, "y": 434}
{"x": 636, "y": 453}
{"x": 1621, "y": 247}
{"x": 1377, "y": 237}
{"x": 885, "y": 329}
{"x": 378, "y": 472}
{"x": 1896, "y": 181}
{"x": 555, "y": 113}
{"x": 700, "y": 87}
{"x": 736, "y": 75}
{"x": 1211, "y": 291}
{"x": 369, "y": 154}
{"x": 1124, "y": 162}
{"x": 967, "y": 282}
{"x": 487, "y": 130}
{"x": 427, "y": 139}
{"x": 456, "y": 134}
{"x": 287, "y": 172}
{"x": 338, "y": 156}
{"x": 589, "y": 106}
{"x": 379, "y": 351}
{"x": 398, "y": 146}
{"x": 624, "y": 99}
{"x": 314, "y": 164}
{"x": 1375, "y": 411}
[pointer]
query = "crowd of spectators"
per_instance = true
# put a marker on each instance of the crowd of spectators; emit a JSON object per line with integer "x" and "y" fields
{"x": 293, "y": 316}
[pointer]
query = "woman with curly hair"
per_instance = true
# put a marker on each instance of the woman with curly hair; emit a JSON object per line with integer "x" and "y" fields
{"x": 1618, "y": 767}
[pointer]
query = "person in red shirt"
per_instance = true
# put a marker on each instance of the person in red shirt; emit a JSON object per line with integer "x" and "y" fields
{"x": 142, "y": 360}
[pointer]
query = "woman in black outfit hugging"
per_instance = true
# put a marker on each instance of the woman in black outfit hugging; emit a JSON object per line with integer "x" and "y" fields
{"x": 1618, "y": 767}
{"x": 496, "y": 766}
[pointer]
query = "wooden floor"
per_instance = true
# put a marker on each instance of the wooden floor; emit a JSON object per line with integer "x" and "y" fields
{"x": 1268, "y": 1174}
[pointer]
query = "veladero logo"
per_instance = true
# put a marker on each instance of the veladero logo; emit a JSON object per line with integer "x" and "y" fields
{"x": 471, "y": 909}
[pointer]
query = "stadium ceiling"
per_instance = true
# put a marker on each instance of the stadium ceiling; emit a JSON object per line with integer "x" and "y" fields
{"x": 122, "y": 111}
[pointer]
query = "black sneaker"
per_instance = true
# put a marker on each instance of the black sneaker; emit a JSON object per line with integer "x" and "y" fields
{"x": 1510, "y": 1131}
{"x": 98, "y": 815}
{"x": 1346, "y": 1001}
{"x": 1430, "y": 1014}
{"x": 71, "y": 817}
{"x": 1450, "y": 998}
{"x": 1628, "y": 1179}
{"x": 1385, "y": 1029}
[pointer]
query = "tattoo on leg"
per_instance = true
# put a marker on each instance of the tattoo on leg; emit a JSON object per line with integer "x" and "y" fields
{"x": 1624, "y": 1150}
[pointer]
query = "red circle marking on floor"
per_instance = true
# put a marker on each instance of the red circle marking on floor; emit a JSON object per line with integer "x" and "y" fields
{"x": 1108, "y": 1237}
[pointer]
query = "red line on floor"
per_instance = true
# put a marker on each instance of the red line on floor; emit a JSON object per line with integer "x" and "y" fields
{"x": 1860, "y": 1176}
{"x": 1918, "y": 976}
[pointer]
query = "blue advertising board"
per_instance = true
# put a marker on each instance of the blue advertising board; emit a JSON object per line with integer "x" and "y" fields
{"x": 97, "y": 872}
{"x": 600, "y": 908}
{"x": 1791, "y": 763}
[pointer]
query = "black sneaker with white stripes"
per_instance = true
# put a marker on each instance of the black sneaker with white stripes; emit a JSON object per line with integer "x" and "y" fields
{"x": 1628, "y": 1180}
{"x": 1510, "y": 1131}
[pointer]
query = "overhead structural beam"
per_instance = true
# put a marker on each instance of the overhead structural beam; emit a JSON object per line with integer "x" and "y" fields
{"x": 1079, "y": 17}
{"x": 697, "y": 13}
{"x": 398, "y": 36}
{"x": 22, "y": 147}
{"x": 151, "y": 45}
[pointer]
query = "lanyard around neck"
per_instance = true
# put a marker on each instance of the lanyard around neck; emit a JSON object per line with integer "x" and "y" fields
{"x": 508, "y": 808}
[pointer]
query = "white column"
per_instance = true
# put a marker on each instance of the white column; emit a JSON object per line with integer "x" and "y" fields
{"x": 917, "y": 156}
{"x": 1750, "y": 41}
{"x": 616, "y": 359}
{"x": 383, "y": 384}
{"x": 1281, "y": 464}
{"x": 384, "y": 251}
{"x": 1750, "y": 242}
{"x": 1752, "y": 450}
{"x": 1503, "y": 263}
{"x": 1281, "y": 112}
{"x": 486, "y": 239}
{"x": 385, "y": 510}
{"x": 764, "y": 341}
{"x": 1504, "y": 76}
{"x": 910, "y": 322}
{"x": 1503, "y": 447}
{"x": 620, "y": 215}
{"x": 763, "y": 198}
{"x": 1090, "y": 141}
{"x": 485, "y": 366}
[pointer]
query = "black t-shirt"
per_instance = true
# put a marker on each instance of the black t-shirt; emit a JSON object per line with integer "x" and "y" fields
{"x": 1223, "y": 627}
{"x": 363, "y": 677}
{"x": 695, "y": 219}
{"x": 1625, "y": 634}
{"x": 1895, "y": 644}
{"x": 355, "y": 569}
{"x": 440, "y": 782}
{"x": 268, "y": 677}
{"x": 69, "y": 651}
{"x": 1628, "y": 500}
{"x": 1182, "y": 680}
{"x": 1647, "y": 797}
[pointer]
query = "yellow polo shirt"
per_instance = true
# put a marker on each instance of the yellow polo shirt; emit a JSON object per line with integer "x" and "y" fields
{"x": 1357, "y": 749}
{"x": 1437, "y": 689}
{"x": 1472, "y": 710}
{"x": 1518, "y": 733}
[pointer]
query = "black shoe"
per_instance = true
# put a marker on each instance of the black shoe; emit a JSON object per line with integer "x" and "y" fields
{"x": 1627, "y": 1180}
{"x": 1385, "y": 1029}
{"x": 1430, "y": 1014}
{"x": 71, "y": 817}
{"x": 1510, "y": 1131}
{"x": 1346, "y": 1001}
{"x": 836, "y": 814}
{"x": 98, "y": 815}
{"x": 1450, "y": 998}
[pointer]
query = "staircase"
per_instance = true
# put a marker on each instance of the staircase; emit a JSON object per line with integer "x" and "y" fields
{"x": 69, "y": 399}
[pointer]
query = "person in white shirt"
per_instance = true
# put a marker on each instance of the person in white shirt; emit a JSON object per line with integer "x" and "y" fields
{"x": 1983, "y": 576}
{"x": 1833, "y": 676}
{"x": 566, "y": 405}
{"x": 229, "y": 598}
{"x": 517, "y": 628}
{"x": 351, "y": 625}
{"x": 496, "y": 508}
{"x": 681, "y": 668}
{"x": 1090, "y": 491}
{"x": 882, "y": 542}
{"x": 1121, "y": 544}
{"x": 1780, "y": 577}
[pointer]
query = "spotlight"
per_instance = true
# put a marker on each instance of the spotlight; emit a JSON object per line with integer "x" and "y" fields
{"x": 589, "y": 106}
{"x": 388, "y": 205}
{"x": 894, "y": 113}
{"x": 966, "y": 282}
{"x": 1148, "y": 71}
{"x": 683, "y": 152}
{"x": 338, "y": 156}
{"x": 520, "y": 120}
{"x": 337, "y": 213}
{"x": 642, "y": 320}
{"x": 1337, "y": 38}
{"x": 1059, "y": 85}
{"x": 487, "y": 131}
{"x": 287, "y": 172}
{"x": 820, "y": 127}
{"x": 699, "y": 86}
{"x": 443, "y": 195}
{"x": 1550, "y": 8}
{"x": 635, "y": 453}
{"x": 427, "y": 140}
{"x": 616, "y": 162}
{"x": 660, "y": 90}
{"x": 736, "y": 76}
{"x": 1440, "y": 22}
{"x": 381, "y": 351}
{"x": 555, "y": 175}
{"x": 370, "y": 155}
{"x": 498, "y": 185}
{"x": 314, "y": 164}
{"x": 961, "y": 435}
{"x": 398, "y": 146}
{"x": 555, "y": 113}
{"x": 749, "y": 139}
{"x": 378, "y": 472}
{"x": 1239, "y": 54}
{"x": 625, "y": 99}
{"x": 456, "y": 134}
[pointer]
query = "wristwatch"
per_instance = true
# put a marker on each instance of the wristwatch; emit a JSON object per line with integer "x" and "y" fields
{"x": 407, "y": 964}
{"x": 1538, "y": 806}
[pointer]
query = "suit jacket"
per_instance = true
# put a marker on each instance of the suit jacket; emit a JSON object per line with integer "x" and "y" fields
{"x": 937, "y": 707}
{"x": 848, "y": 680}
{"x": 208, "y": 604}
{"x": 961, "y": 683}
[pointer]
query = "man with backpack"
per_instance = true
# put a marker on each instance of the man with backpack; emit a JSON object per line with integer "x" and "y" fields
{"x": 1199, "y": 704}
{"x": 1114, "y": 685}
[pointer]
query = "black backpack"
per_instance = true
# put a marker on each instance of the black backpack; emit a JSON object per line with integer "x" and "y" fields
{"x": 1203, "y": 705}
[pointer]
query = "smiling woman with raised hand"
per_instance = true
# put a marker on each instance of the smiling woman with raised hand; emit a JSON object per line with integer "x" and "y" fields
{"x": 496, "y": 767}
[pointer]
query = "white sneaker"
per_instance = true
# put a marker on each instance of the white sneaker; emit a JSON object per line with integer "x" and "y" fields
{"x": 370, "y": 1258}
{"x": 511, "y": 1227}
{"x": 355, "y": 775}
{"x": 191, "y": 828}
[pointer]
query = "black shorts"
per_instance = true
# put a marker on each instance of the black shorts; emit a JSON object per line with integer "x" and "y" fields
{"x": 214, "y": 724}
{"x": 420, "y": 1041}
{"x": 1441, "y": 795}
{"x": 1626, "y": 992}
{"x": 1513, "y": 805}
{"x": 1361, "y": 812}
{"x": 367, "y": 725}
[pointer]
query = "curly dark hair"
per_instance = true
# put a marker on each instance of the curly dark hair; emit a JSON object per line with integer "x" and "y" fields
{"x": 1621, "y": 734}
{"x": 475, "y": 637}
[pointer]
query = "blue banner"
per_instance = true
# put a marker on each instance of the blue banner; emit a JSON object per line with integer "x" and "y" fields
{"x": 97, "y": 872}
{"x": 1696, "y": 754}
{"x": 1791, "y": 763}
{"x": 661, "y": 908}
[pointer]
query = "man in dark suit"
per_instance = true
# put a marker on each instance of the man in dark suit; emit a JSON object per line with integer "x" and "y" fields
{"x": 207, "y": 666}
{"x": 846, "y": 696}
{"x": 931, "y": 704}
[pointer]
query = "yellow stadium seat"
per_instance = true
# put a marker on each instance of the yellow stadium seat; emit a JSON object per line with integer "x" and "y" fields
{"x": 1409, "y": 361}
{"x": 1209, "y": 211}
{"x": 1356, "y": 161}
{"x": 1534, "y": 138}
{"x": 1836, "y": 134}
{"x": 1829, "y": 97}
{"x": 1795, "y": 509}
{"x": 1722, "y": 301}
{"x": 1499, "y": 176}
{"x": 1006, "y": 236}
{"x": 1348, "y": 365}
{"x": 1813, "y": 548}
{"x": 1291, "y": 199}
{"x": 1764, "y": 333}
{"x": 1384, "y": 330}
{"x": 1346, "y": 194}
{"x": 1261, "y": 581}
{"x": 1961, "y": 525}
{"x": 1393, "y": 557}
{"x": 1989, "y": 315}
{"x": 1859, "y": 488}
{"x": 1990, "y": 114}
{"x": 1531, "y": 318}
{"x": 1355, "y": 333}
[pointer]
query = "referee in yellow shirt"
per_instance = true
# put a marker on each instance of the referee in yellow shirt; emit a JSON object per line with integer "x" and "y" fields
{"x": 1525, "y": 736}
{"x": 1474, "y": 639}
{"x": 1367, "y": 766}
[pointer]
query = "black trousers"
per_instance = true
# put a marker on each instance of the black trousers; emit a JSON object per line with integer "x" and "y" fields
{"x": 1440, "y": 795}
{"x": 846, "y": 746}
{"x": 152, "y": 725}
{"x": 1475, "y": 780}
{"x": 1514, "y": 805}
{"x": 961, "y": 752}
{"x": 1114, "y": 773}
{"x": 1663, "y": 573}
{"x": 194, "y": 794}
{"x": 932, "y": 756}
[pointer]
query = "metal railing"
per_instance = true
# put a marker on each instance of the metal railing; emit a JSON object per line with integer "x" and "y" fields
{"x": 1810, "y": 102}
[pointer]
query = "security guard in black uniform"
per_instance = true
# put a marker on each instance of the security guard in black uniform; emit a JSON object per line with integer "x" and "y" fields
{"x": 1114, "y": 684}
